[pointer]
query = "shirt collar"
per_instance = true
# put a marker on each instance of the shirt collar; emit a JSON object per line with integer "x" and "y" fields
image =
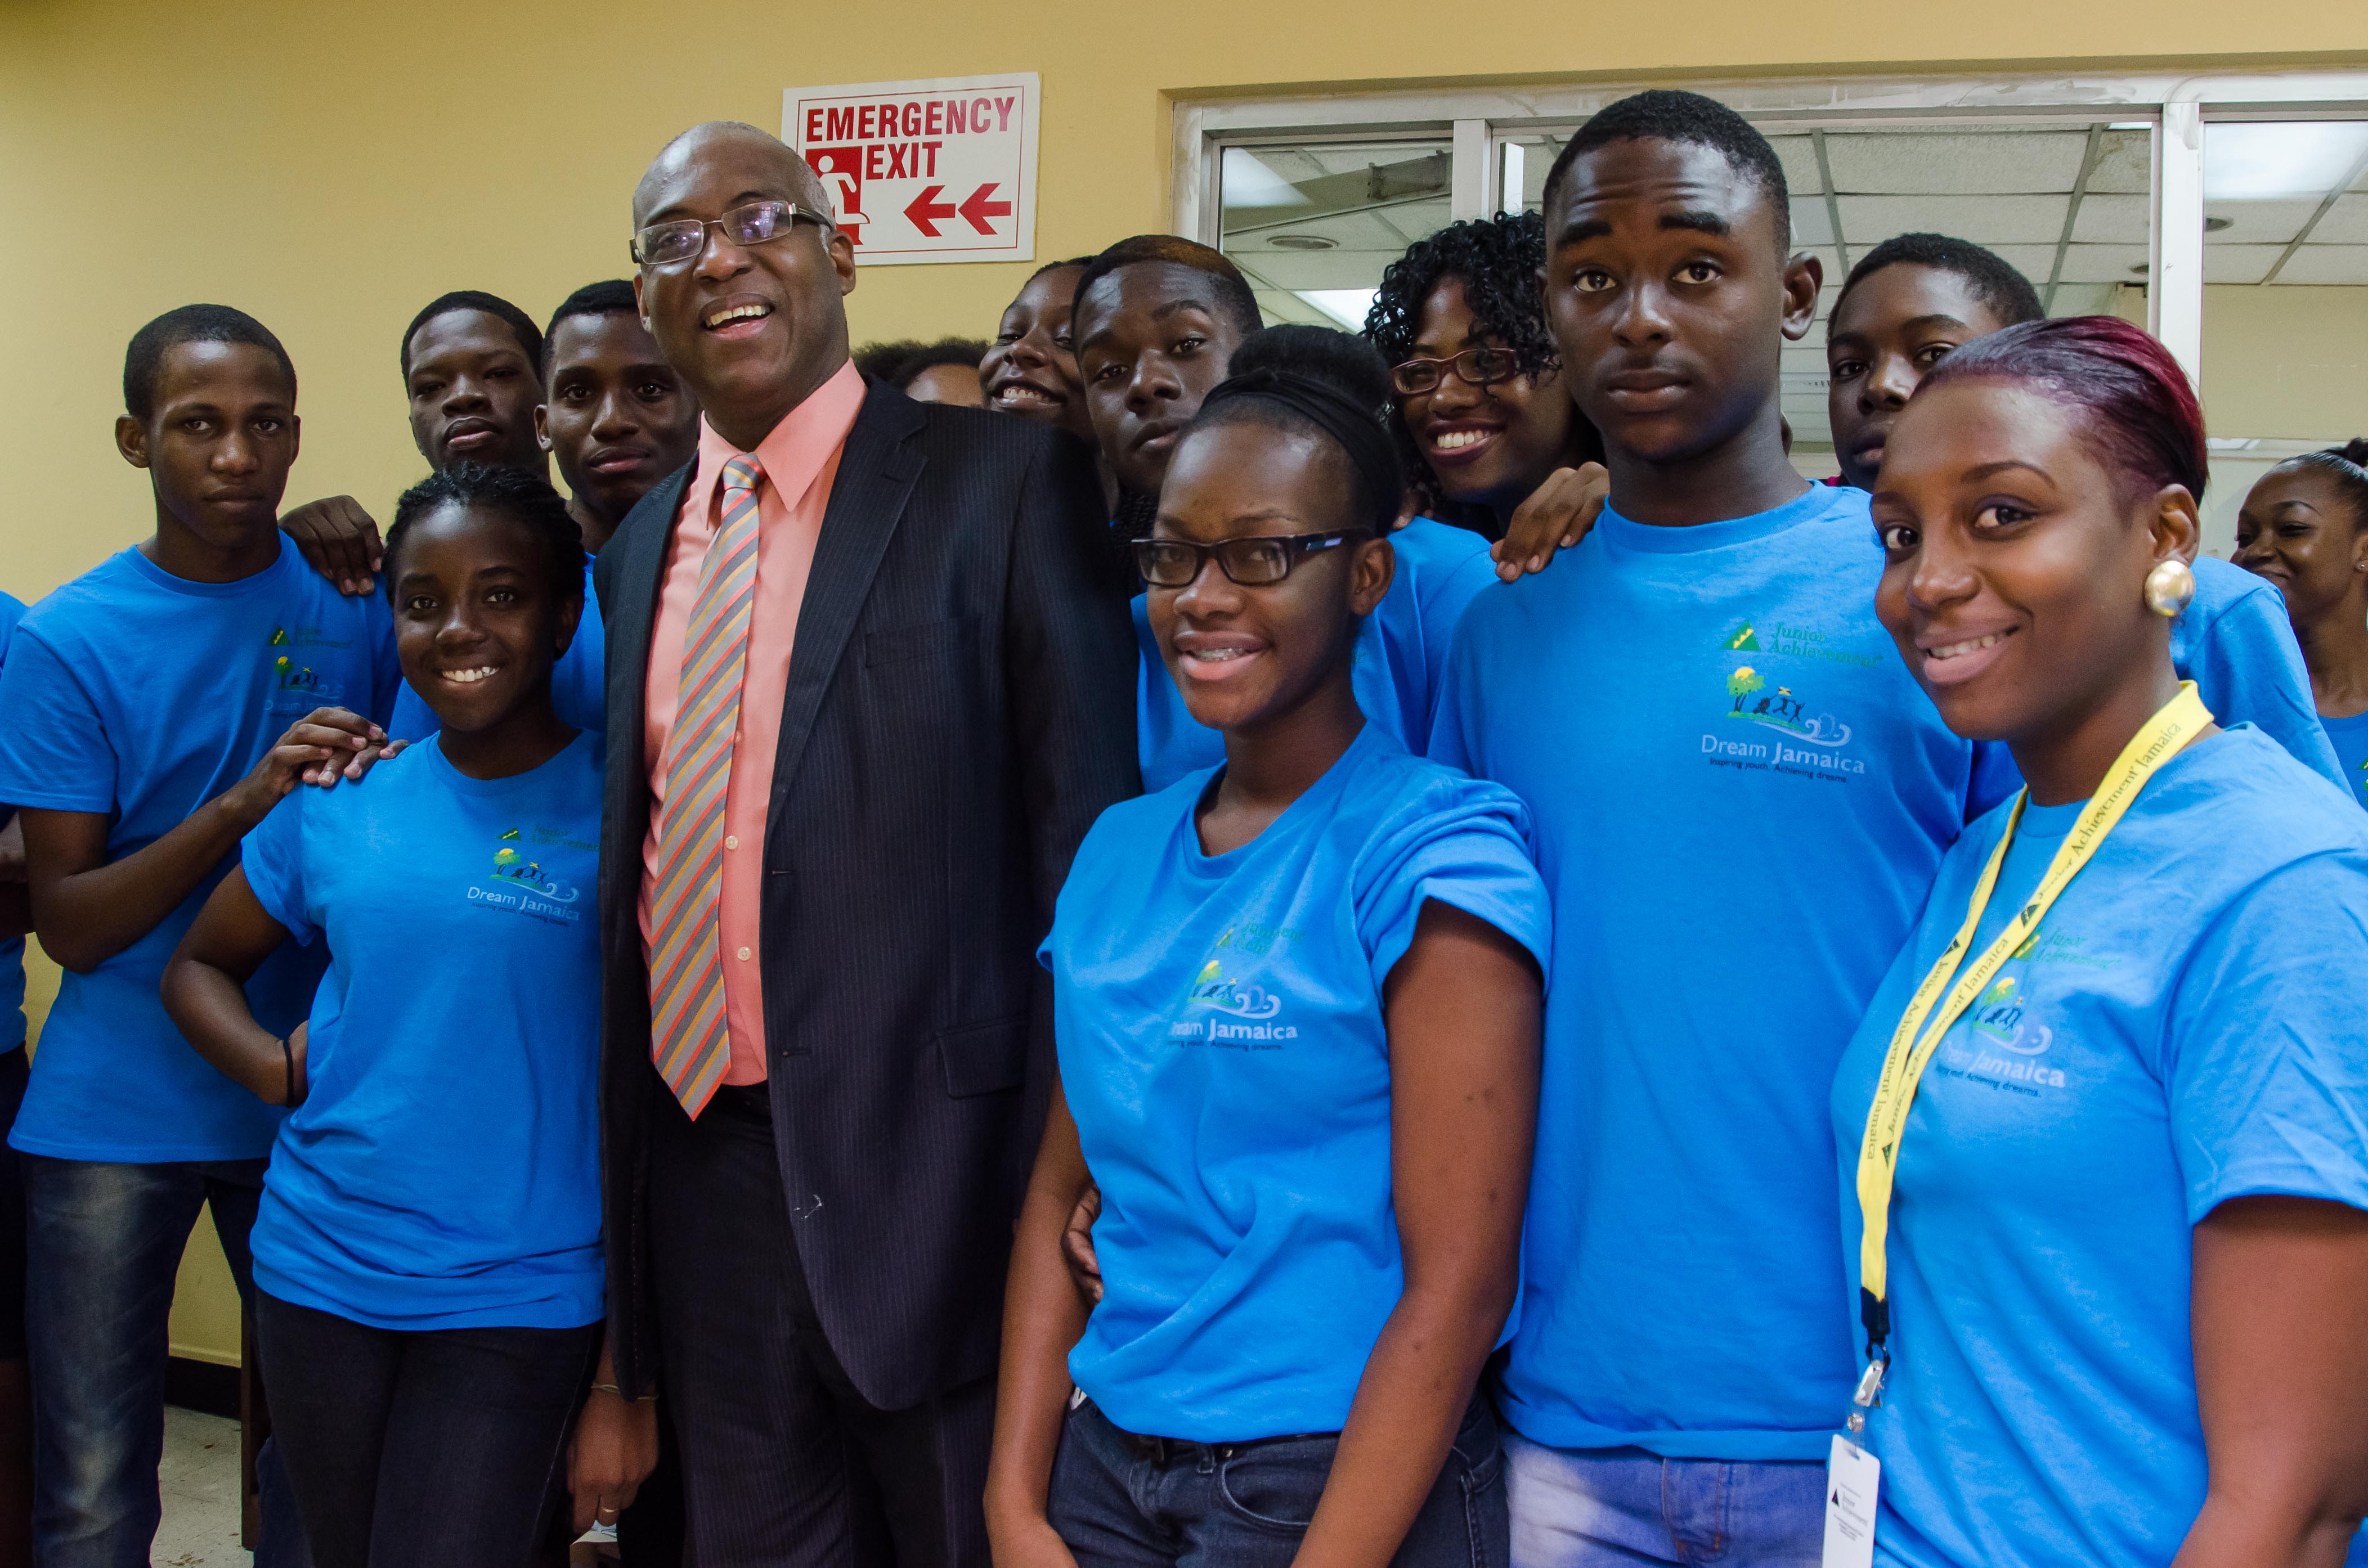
{"x": 805, "y": 436}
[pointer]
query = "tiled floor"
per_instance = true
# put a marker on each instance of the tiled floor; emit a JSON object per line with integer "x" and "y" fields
{"x": 200, "y": 1479}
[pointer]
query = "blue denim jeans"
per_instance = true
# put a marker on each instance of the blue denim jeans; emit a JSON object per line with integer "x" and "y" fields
{"x": 1620, "y": 1507}
{"x": 1122, "y": 1501}
{"x": 103, "y": 1245}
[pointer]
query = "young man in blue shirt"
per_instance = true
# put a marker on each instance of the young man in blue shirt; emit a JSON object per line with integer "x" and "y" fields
{"x": 159, "y": 707}
{"x": 1739, "y": 800}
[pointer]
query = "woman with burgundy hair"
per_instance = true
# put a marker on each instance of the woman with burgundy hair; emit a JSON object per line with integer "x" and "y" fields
{"x": 2103, "y": 1134}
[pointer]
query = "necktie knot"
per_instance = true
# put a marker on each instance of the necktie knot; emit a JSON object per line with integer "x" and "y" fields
{"x": 741, "y": 475}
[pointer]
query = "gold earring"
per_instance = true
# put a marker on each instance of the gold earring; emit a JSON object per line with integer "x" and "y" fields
{"x": 2168, "y": 587}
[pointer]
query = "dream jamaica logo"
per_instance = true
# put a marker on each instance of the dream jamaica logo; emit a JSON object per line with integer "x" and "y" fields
{"x": 1222, "y": 1010}
{"x": 523, "y": 885}
{"x": 1754, "y": 704}
{"x": 1805, "y": 743}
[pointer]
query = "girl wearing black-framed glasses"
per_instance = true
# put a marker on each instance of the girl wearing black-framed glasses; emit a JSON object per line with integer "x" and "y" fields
{"x": 1296, "y": 1004}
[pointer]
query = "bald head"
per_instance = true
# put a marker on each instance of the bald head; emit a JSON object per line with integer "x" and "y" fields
{"x": 744, "y": 144}
{"x": 752, "y": 323}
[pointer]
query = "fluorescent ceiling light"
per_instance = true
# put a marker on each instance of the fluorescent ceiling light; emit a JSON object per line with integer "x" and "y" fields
{"x": 2273, "y": 160}
{"x": 1250, "y": 183}
{"x": 1347, "y": 306}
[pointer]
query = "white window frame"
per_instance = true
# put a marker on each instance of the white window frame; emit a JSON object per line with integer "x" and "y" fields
{"x": 1477, "y": 120}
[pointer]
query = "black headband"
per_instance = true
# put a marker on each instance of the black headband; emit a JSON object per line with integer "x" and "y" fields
{"x": 1372, "y": 452}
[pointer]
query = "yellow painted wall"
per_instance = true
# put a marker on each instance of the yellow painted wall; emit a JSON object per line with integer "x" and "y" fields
{"x": 331, "y": 167}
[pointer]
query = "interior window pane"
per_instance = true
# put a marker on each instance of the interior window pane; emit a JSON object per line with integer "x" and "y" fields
{"x": 1313, "y": 225}
{"x": 2068, "y": 206}
{"x": 2285, "y": 299}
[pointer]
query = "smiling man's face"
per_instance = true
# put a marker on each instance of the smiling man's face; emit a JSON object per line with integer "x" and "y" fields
{"x": 752, "y": 329}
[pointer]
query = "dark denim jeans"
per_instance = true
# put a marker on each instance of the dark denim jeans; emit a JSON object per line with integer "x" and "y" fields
{"x": 444, "y": 1447}
{"x": 1120, "y": 1501}
{"x": 103, "y": 1247}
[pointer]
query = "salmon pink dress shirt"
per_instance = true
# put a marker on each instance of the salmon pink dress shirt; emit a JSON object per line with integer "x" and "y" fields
{"x": 800, "y": 460}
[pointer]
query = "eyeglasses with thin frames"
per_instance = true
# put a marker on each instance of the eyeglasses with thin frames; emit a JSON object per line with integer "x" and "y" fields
{"x": 1474, "y": 367}
{"x": 1257, "y": 561}
{"x": 753, "y": 224}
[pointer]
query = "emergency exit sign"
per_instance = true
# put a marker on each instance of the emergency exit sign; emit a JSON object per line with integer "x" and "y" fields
{"x": 941, "y": 170}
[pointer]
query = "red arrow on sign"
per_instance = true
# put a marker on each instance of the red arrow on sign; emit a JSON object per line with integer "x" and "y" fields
{"x": 928, "y": 213}
{"x": 978, "y": 208}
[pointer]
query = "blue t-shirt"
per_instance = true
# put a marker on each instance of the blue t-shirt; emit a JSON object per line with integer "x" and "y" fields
{"x": 1740, "y": 797}
{"x": 1224, "y": 1048}
{"x": 1400, "y": 658}
{"x": 2236, "y": 642}
{"x": 2184, "y": 1028}
{"x": 579, "y": 691}
{"x": 443, "y": 1171}
{"x": 12, "y": 952}
{"x": 143, "y": 695}
{"x": 2349, "y": 737}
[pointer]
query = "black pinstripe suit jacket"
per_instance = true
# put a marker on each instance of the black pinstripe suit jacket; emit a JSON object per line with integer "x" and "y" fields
{"x": 960, "y": 708}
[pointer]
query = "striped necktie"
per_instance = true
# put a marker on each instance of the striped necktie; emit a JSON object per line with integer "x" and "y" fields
{"x": 687, "y": 1037}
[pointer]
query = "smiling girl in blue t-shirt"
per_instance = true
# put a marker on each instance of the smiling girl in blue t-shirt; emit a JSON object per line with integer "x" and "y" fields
{"x": 1296, "y": 1004}
{"x": 2103, "y": 1135}
{"x": 428, "y": 1257}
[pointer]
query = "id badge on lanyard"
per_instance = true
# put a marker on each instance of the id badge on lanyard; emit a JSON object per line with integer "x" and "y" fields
{"x": 1852, "y": 1474}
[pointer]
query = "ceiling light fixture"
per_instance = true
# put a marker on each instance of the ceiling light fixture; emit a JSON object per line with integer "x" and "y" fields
{"x": 1244, "y": 180}
{"x": 1302, "y": 241}
{"x": 1347, "y": 306}
{"x": 2280, "y": 160}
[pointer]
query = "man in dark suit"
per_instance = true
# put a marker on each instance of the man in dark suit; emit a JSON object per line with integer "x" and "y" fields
{"x": 867, "y": 692}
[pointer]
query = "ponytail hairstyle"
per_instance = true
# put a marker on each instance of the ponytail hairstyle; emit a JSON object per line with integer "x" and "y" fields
{"x": 2128, "y": 391}
{"x": 2347, "y": 466}
{"x": 1312, "y": 381}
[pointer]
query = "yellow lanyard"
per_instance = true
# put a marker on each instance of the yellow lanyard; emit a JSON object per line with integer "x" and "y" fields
{"x": 1912, "y": 1043}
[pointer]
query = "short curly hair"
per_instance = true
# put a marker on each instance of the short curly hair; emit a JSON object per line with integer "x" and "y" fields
{"x": 1497, "y": 259}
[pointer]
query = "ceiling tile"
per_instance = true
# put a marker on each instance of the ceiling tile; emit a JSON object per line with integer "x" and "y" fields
{"x": 1314, "y": 270}
{"x": 2326, "y": 264}
{"x": 2124, "y": 163}
{"x": 2104, "y": 264}
{"x": 2256, "y": 222}
{"x": 1799, "y": 156}
{"x": 1811, "y": 225}
{"x": 1955, "y": 162}
{"x": 2114, "y": 220}
{"x": 2346, "y": 223}
{"x": 1986, "y": 220}
{"x": 1348, "y": 231}
{"x": 2239, "y": 264}
{"x": 1278, "y": 307}
{"x": 1413, "y": 220}
{"x": 2034, "y": 261}
{"x": 2083, "y": 299}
